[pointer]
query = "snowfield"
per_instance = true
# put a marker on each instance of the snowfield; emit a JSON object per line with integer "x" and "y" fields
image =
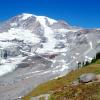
{"x": 19, "y": 34}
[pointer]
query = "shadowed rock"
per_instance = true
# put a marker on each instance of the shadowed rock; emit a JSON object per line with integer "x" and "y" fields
{"x": 85, "y": 78}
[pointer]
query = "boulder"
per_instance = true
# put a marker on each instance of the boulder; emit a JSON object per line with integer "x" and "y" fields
{"x": 98, "y": 77}
{"x": 85, "y": 78}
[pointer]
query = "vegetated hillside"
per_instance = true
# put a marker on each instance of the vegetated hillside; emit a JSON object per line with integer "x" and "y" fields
{"x": 61, "y": 88}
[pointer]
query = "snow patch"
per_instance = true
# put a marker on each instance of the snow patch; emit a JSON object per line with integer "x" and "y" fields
{"x": 51, "y": 21}
{"x": 88, "y": 58}
{"x": 9, "y": 65}
{"x": 49, "y": 34}
{"x": 77, "y": 54}
{"x": 13, "y": 24}
{"x": 5, "y": 44}
{"x": 26, "y": 16}
{"x": 19, "y": 34}
{"x": 91, "y": 45}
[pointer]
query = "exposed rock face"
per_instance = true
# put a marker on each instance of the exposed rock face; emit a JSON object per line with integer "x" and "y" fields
{"x": 37, "y": 62}
{"x": 85, "y": 78}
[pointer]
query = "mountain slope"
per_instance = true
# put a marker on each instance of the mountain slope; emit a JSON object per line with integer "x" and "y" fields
{"x": 40, "y": 48}
{"x": 29, "y": 34}
{"x": 61, "y": 88}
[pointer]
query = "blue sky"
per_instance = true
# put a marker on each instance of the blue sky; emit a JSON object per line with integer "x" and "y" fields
{"x": 83, "y": 13}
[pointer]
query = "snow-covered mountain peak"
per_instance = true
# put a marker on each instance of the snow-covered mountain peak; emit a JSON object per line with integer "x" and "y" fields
{"x": 33, "y": 22}
{"x": 26, "y": 15}
{"x": 48, "y": 33}
{"x": 43, "y": 20}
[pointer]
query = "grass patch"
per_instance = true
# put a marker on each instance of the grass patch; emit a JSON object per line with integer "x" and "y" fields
{"x": 41, "y": 98}
{"x": 98, "y": 61}
{"x": 53, "y": 85}
{"x": 81, "y": 92}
